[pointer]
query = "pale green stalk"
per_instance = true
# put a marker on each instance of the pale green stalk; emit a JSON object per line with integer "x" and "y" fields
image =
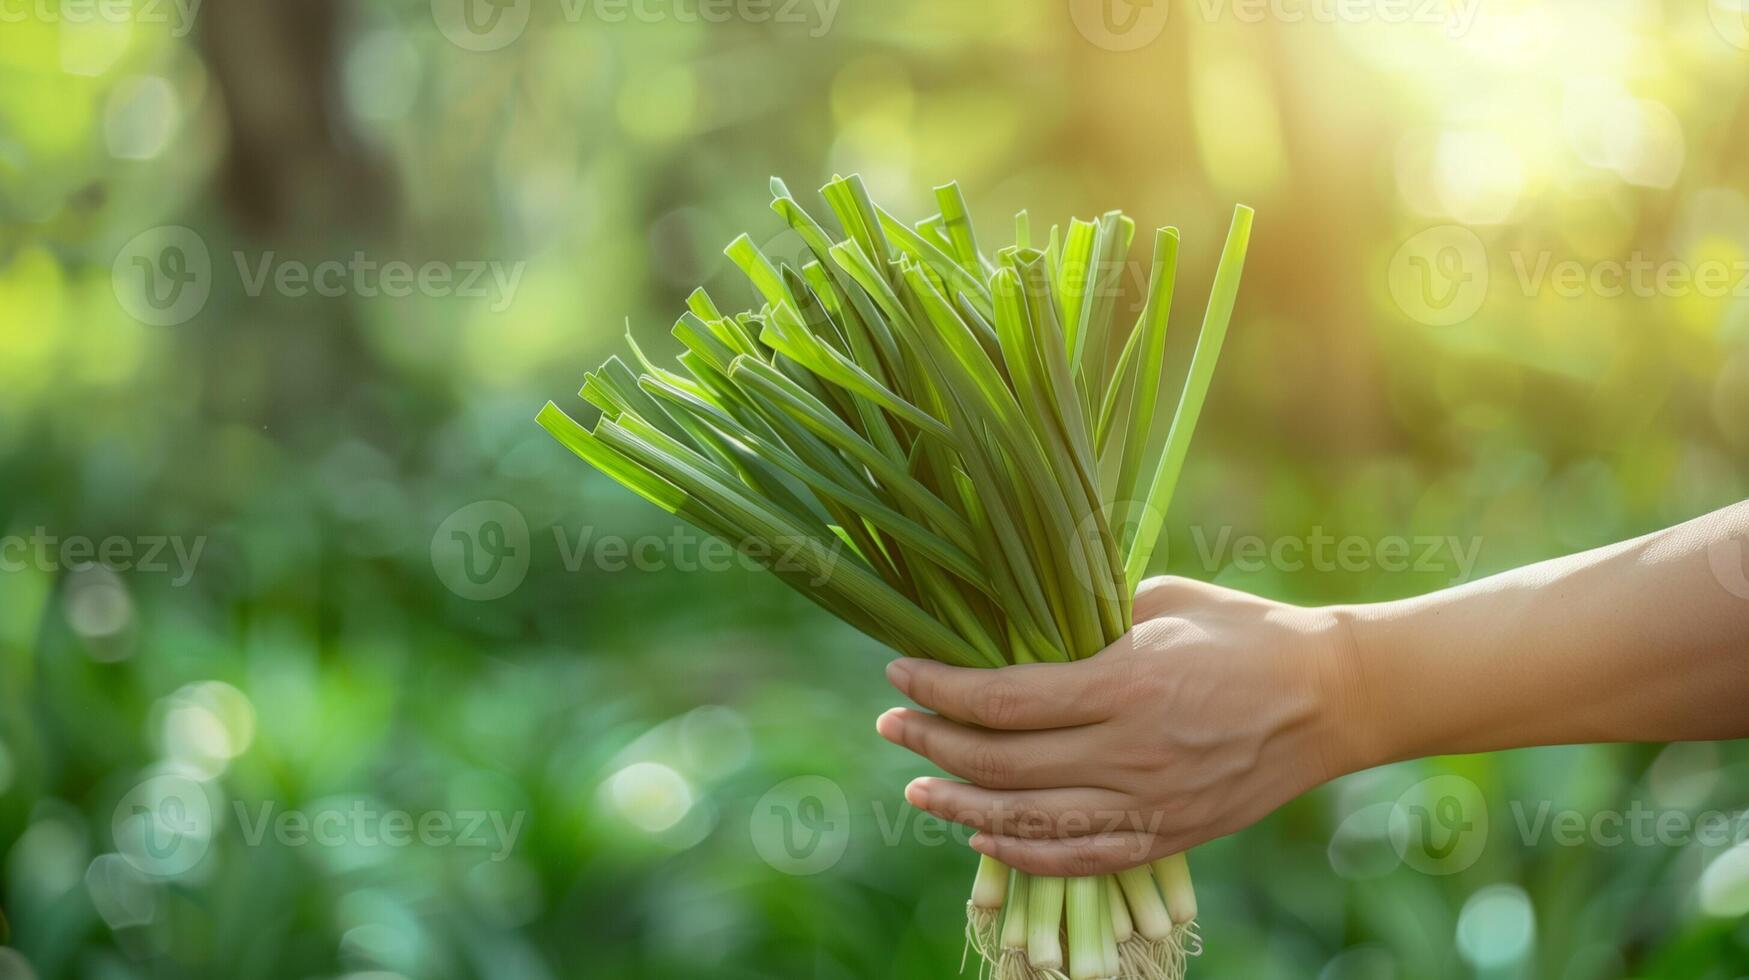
{"x": 1147, "y": 910}
{"x": 1014, "y": 932}
{"x": 1086, "y": 943}
{"x": 1044, "y": 921}
{"x": 1122, "y": 927}
{"x": 991, "y": 885}
{"x": 1174, "y": 876}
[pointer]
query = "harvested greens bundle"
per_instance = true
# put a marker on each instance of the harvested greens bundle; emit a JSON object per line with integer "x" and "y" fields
{"x": 948, "y": 449}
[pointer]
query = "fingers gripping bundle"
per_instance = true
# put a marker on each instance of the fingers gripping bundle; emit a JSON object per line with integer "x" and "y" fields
{"x": 942, "y": 443}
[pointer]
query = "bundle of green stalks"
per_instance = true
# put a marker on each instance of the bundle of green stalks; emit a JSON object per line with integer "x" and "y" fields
{"x": 957, "y": 452}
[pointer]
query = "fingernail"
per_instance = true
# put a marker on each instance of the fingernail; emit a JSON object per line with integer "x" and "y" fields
{"x": 889, "y": 724}
{"x": 917, "y": 794}
{"x": 899, "y": 675}
{"x": 980, "y": 843}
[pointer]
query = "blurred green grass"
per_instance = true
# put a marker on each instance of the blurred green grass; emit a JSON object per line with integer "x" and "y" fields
{"x": 317, "y": 448}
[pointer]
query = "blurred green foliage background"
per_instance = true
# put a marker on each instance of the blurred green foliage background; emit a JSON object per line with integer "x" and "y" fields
{"x": 320, "y": 647}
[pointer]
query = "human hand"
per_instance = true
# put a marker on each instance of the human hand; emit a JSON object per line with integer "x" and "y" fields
{"x": 1214, "y": 710}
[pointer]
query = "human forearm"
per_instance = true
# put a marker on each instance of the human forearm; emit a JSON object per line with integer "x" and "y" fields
{"x": 1219, "y": 706}
{"x": 1639, "y": 641}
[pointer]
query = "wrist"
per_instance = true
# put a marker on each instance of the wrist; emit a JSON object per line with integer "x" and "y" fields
{"x": 1354, "y": 732}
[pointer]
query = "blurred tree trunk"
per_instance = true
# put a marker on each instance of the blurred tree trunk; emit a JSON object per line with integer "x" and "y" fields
{"x": 294, "y": 162}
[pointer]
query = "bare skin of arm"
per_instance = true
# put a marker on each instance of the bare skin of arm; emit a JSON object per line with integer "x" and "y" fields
{"x": 1218, "y": 707}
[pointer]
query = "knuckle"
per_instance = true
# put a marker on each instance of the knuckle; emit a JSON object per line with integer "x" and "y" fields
{"x": 1166, "y": 592}
{"x": 1126, "y": 681}
{"x": 918, "y": 739}
{"x": 1153, "y": 756}
{"x": 997, "y": 704}
{"x": 923, "y": 684}
{"x": 989, "y": 766}
{"x": 1163, "y": 586}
